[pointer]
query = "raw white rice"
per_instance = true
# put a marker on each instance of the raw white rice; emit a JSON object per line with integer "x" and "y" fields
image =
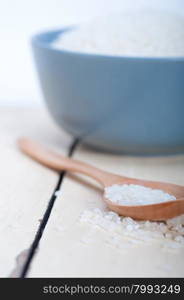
{"x": 132, "y": 194}
{"x": 169, "y": 234}
{"x": 143, "y": 33}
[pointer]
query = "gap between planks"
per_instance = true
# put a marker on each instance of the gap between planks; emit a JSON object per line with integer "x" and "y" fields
{"x": 24, "y": 268}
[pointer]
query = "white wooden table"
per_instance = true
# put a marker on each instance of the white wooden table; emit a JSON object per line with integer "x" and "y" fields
{"x": 69, "y": 247}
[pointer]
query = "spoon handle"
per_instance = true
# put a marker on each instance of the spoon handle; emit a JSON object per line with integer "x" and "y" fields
{"x": 58, "y": 162}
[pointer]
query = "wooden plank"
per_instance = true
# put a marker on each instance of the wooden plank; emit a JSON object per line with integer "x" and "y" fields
{"x": 25, "y": 186}
{"x": 72, "y": 248}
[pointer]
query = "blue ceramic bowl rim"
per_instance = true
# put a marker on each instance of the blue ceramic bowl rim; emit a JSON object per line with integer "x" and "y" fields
{"x": 37, "y": 40}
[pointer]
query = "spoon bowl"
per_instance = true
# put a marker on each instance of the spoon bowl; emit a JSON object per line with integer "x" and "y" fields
{"x": 155, "y": 212}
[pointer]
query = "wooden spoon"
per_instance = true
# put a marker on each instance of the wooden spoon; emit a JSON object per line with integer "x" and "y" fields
{"x": 159, "y": 211}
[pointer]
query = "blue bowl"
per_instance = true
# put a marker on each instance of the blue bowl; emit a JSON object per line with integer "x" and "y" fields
{"x": 117, "y": 104}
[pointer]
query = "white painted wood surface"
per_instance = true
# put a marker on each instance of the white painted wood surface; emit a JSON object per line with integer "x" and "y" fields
{"x": 25, "y": 186}
{"x": 70, "y": 248}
